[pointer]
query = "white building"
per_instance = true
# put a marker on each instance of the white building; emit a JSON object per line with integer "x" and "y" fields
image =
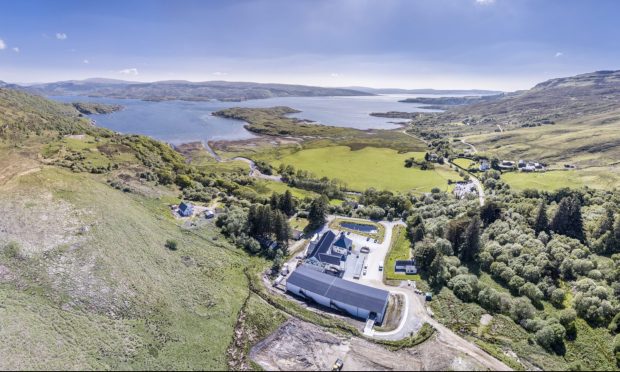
{"x": 358, "y": 300}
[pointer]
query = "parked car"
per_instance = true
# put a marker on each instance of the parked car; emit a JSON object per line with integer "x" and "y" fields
{"x": 338, "y": 365}
{"x": 365, "y": 271}
{"x": 380, "y": 267}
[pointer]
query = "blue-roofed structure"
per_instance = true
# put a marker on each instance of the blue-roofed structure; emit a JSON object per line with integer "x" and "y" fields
{"x": 358, "y": 300}
{"x": 186, "y": 209}
{"x": 330, "y": 249}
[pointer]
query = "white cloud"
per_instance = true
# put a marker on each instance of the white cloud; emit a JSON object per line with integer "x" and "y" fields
{"x": 129, "y": 71}
{"x": 2, "y": 44}
{"x": 219, "y": 73}
{"x": 485, "y": 2}
{"x": 61, "y": 36}
{"x": 86, "y": 61}
{"x": 334, "y": 74}
{"x": 559, "y": 54}
{"x": 16, "y": 49}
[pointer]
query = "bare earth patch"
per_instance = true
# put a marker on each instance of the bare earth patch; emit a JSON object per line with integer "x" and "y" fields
{"x": 37, "y": 221}
{"x": 303, "y": 346}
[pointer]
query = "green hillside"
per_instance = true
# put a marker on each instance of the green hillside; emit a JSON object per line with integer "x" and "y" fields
{"x": 86, "y": 279}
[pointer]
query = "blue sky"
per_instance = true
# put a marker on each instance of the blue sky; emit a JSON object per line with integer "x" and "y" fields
{"x": 495, "y": 44}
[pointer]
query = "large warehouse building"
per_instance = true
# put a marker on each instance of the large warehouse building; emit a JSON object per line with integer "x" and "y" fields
{"x": 356, "y": 299}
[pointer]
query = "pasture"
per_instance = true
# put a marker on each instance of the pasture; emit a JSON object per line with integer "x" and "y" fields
{"x": 596, "y": 177}
{"x": 359, "y": 170}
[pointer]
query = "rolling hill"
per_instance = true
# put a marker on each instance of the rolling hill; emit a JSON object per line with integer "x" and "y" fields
{"x": 550, "y": 102}
{"x": 185, "y": 90}
{"x": 86, "y": 281}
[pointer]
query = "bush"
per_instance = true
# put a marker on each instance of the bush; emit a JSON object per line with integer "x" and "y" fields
{"x": 557, "y": 297}
{"x": 522, "y": 309}
{"x": 465, "y": 287}
{"x": 532, "y": 292}
{"x": 12, "y": 250}
{"x": 171, "y": 244}
{"x": 551, "y": 336}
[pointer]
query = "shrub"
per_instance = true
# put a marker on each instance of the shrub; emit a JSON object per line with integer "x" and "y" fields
{"x": 557, "y": 297}
{"x": 551, "y": 336}
{"x": 12, "y": 250}
{"x": 465, "y": 287}
{"x": 171, "y": 244}
{"x": 522, "y": 309}
{"x": 532, "y": 292}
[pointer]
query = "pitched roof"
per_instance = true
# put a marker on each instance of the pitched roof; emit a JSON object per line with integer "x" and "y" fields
{"x": 183, "y": 206}
{"x": 330, "y": 258}
{"x": 340, "y": 290}
{"x": 404, "y": 262}
{"x": 343, "y": 242}
{"x": 322, "y": 249}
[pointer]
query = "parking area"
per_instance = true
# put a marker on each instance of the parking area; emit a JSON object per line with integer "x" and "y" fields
{"x": 372, "y": 260}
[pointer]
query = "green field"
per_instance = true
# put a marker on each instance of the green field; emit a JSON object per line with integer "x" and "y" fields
{"x": 400, "y": 249}
{"x": 567, "y": 142}
{"x": 94, "y": 287}
{"x": 266, "y": 187}
{"x": 464, "y": 163}
{"x": 298, "y": 223}
{"x": 380, "y": 168}
{"x": 548, "y": 181}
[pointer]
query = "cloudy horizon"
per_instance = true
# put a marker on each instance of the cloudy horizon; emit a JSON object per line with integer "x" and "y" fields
{"x": 449, "y": 44}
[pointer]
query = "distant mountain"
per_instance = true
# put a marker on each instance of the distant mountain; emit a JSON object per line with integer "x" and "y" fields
{"x": 7, "y": 85}
{"x": 472, "y": 92}
{"x": 546, "y": 103}
{"x": 185, "y": 90}
{"x": 452, "y": 101}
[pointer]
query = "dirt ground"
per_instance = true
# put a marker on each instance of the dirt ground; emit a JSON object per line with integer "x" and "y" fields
{"x": 297, "y": 345}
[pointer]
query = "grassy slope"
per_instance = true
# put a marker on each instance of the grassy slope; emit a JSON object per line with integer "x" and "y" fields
{"x": 592, "y": 143}
{"x": 505, "y": 339}
{"x": 369, "y": 167}
{"x": 400, "y": 249}
{"x": 543, "y": 181}
{"x": 113, "y": 297}
{"x": 273, "y": 122}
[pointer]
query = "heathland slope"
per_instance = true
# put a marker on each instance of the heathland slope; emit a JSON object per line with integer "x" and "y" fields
{"x": 186, "y": 90}
{"x": 86, "y": 278}
{"x": 550, "y": 102}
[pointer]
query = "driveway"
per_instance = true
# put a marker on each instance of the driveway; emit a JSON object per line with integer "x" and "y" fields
{"x": 414, "y": 305}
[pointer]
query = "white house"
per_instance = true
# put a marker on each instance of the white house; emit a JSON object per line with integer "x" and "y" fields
{"x": 358, "y": 300}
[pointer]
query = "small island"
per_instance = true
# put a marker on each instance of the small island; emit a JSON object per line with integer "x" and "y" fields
{"x": 91, "y": 108}
{"x": 452, "y": 101}
{"x": 395, "y": 115}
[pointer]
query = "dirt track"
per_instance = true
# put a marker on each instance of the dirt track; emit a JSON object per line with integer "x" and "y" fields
{"x": 303, "y": 346}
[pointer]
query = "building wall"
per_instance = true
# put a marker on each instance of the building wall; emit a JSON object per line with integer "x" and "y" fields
{"x": 352, "y": 310}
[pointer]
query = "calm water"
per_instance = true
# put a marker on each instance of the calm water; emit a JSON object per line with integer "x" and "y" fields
{"x": 181, "y": 121}
{"x": 359, "y": 227}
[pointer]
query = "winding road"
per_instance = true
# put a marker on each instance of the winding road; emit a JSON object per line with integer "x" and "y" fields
{"x": 414, "y": 305}
{"x": 475, "y": 180}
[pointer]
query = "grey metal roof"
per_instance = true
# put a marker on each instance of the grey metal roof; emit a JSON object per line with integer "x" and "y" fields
{"x": 404, "y": 263}
{"x": 322, "y": 249}
{"x": 330, "y": 259}
{"x": 343, "y": 242}
{"x": 340, "y": 290}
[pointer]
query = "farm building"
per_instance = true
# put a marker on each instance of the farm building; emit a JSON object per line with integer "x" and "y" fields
{"x": 405, "y": 266}
{"x": 355, "y": 299}
{"x": 329, "y": 250}
{"x": 186, "y": 209}
{"x": 462, "y": 189}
